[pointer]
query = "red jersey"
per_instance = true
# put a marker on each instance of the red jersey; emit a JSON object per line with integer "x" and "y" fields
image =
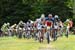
{"x": 70, "y": 23}
{"x": 48, "y": 23}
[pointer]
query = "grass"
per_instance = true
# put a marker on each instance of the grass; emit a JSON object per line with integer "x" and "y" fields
{"x": 13, "y": 43}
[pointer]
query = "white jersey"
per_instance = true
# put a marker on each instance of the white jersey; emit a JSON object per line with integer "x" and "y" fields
{"x": 56, "y": 25}
{"x": 39, "y": 26}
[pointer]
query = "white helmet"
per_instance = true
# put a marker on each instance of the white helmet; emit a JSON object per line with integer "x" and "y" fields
{"x": 67, "y": 20}
{"x": 8, "y": 23}
{"x": 42, "y": 15}
{"x": 50, "y": 15}
{"x": 56, "y": 16}
{"x": 32, "y": 21}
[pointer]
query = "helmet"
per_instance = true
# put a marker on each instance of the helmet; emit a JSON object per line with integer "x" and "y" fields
{"x": 56, "y": 16}
{"x": 43, "y": 16}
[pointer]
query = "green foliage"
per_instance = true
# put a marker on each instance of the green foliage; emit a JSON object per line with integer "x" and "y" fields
{"x": 15, "y": 10}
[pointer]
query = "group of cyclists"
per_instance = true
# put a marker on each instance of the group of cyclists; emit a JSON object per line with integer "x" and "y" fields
{"x": 50, "y": 28}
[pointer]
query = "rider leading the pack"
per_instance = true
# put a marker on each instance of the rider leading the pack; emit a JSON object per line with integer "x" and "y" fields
{"x": 49, "y": 23}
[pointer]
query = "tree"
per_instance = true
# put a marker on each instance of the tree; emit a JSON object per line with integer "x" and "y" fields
{"x": 16, "y": 10}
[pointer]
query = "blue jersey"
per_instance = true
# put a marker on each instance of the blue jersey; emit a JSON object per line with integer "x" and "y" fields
{"x": 50, "y": 19}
